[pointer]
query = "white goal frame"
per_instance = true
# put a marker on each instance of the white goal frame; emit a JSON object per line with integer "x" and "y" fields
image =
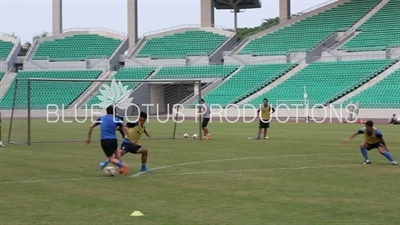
{"x": 27, "y": 82}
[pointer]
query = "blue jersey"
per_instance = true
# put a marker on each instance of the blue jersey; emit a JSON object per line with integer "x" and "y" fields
{"x": 120, "y": 117}
{"x": 108, "y": 125}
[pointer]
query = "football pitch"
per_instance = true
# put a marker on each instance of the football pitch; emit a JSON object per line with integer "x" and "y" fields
{"x": 302, "y": 175}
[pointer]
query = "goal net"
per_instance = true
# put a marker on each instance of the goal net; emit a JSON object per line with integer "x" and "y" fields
{"x": 61, "y": 110}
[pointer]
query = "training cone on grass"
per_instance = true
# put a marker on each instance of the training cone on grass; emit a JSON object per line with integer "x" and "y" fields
{"x": 137, "y": 213}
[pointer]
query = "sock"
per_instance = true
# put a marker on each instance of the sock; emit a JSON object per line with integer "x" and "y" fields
{"x": 105, "y": 162}
{"x": 258, "y": 136}
{"x": 143, "y": 166}
{"x": 388, "y": 156}
{"x": 120, "y": 164}
{"x": 364, "y": 152}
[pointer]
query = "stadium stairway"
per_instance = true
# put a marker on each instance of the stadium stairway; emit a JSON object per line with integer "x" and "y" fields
{"x": 193, "y": 99}
{"x": 369, "y": 84}
{"x": 248, "y": 80}
{"x": 301, "y": 65}
{"x": 5, "y": 82}
{"x": 91, "y": 90}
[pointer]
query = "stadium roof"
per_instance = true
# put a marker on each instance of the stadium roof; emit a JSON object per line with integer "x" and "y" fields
{"x": 241, "y": 4}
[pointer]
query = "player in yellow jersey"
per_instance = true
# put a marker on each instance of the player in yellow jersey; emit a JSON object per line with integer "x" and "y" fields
{"x": 135, "y": 129}
{"x": 373, "y": 138}
{"x": 264, "y": 114}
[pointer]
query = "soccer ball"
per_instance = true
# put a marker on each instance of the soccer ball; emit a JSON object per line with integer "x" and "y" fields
{"x": 195, "y": 136}
{"x": 185, "y": 135}
{"x": 110, "y": 170}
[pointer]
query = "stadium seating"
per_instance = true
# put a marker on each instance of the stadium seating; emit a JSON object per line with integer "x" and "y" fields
{"x": 45, "y": 92}
{"x": 132, "y": 73}
{"x": 195, "y": 71}
{"x": 180, "y": 45}
{"x": 1, "y": 75}
{"x": 384, "y": 94}
{"x": 380, "y": 32}
{"x": 249, "y": 79}
{"x": 78, "y": 47}
{"x": 310, "y": 32}
{"x": 5, "y": 49}
{"x": 324, "y": 80}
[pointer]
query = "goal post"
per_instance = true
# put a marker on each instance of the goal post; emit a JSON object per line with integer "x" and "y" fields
{"x": 60, "y": 110}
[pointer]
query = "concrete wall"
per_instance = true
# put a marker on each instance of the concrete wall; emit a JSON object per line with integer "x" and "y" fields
{"x": 46, "y": 65}
{"x": 155, "y": 62}
{"x": 7, "y": 37}
{"x": 344, "y": 56}
{"x": 115, "y": 58}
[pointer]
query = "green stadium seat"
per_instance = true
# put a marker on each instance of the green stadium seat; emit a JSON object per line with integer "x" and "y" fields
{"x": 195, "y": 71}
{"x": 78, "y": 47}
{"x": 5, "y": 49}
{"x": 126, "y": 73}
{"x": 44, "y": 93}
{"x": 248, "y": 80}
{"x": 384, "y": 94}
{"x": 306, "y": 34}
{"x": 180, "y": 45}
{"x": 324, "y": 80}
{"x": 380, "y": 32}
{"x": 1, "y": 75}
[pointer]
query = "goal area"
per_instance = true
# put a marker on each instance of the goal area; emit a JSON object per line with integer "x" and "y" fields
{"x": 61, "y": 110}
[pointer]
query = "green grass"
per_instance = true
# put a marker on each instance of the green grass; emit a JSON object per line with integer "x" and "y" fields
{"x": 301, "y": 175}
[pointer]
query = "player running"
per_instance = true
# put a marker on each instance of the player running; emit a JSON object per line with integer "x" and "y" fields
{"x": 205, "y": 109}
{"x": 264, "y": 114}
{"x": 1, "y": 143}
{"x": 135, "y": 129}
{"x": 373, "y": 139}
{"x": 109, "y": 142}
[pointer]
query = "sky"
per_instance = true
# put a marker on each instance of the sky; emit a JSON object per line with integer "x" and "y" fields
{"x": 27, "y": 18}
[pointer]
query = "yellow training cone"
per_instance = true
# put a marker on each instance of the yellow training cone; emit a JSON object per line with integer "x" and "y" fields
{"x": 137, "y": 213}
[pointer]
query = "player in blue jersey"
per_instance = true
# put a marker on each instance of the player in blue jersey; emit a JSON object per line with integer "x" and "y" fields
{"x": 109, "y": 142}
{"x": 373, "y": 138}
{"x": 122, "y": 119}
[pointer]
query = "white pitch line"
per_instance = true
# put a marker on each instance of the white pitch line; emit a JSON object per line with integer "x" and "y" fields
{"x": 234, "y": 159}
{"x": 170, "y": 166}
{"x": 52, "y": 180}
{"x": 255, "y": 170}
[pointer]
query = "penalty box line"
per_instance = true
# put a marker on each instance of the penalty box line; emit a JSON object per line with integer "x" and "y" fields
{"x": 170, "y": 166}
{"x": 234, "y": 159}
{"x": 256, "y": 170}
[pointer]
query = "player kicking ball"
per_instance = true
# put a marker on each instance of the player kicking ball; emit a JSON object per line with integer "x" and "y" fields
{"x": 373, "y": 139}
{"x": 109, "y": 142}
{"x": 135, "y": 130}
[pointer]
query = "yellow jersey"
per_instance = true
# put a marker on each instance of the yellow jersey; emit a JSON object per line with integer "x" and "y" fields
{"x": 265, "y": 112}
{"x": 135, "y": 131}
{"x": 373, "y": 137}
